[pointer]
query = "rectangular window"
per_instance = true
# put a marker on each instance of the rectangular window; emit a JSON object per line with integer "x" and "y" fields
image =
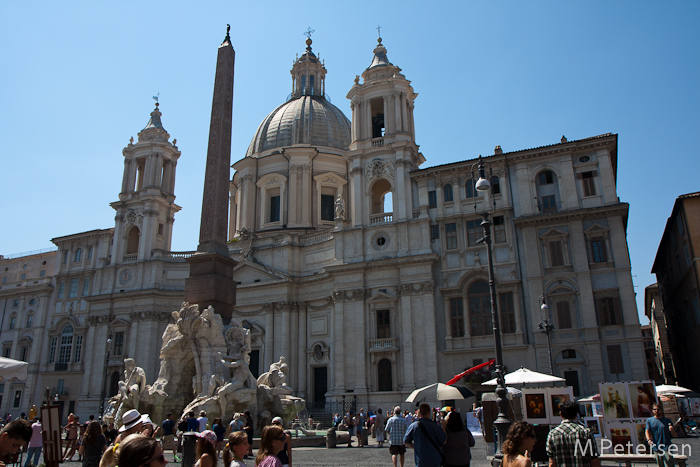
{"x": 161, "y": 229}
{"x": 60, "y": 386}
{"x": 687, "y": 255}
{"x": 588, "y": 183}
{"x": 598, "y": 250}
{"x": 563, "y": 315}
{"x": 451, "y": 236}
{"x": 470, "y": 190}
{"x": 499, "y": 229}
{"x": 78, "y": 348}
{"x": 64, "y": 350}
{"x": 495, "y": 185}
{"x": 615, "y": 362}
{"x": 13, "y": 322}
{"x": 556, "y": 253}
{"x": 383, "y": 324}
{"x": 549, "y": 204}
{"x": 2, "y": 388}
{"x": 24, "y": 355}
{"x": 480, "y": 315}
{"x": 18, "y": 399}
{"x": 52, "y": 349}
{"x": 15, "y": 303}
{"x": 274, "y": 208}
{"x": 30, "y": 320}
{"x": 447, "y": 193}
{"x": 61, "y": 287}
{"x": 473, "y": 232}
{"x": 609, "y": 312}
{"x": 432, "y": 199}
{"x": 6, "y": 352}
{"x": 434, "y": 232}
{"x": 73, "y": 288}
{"x": 42, "y": 273}
{"x": 456, "y": 317}
{"x": 571, "y": 378}
{"x": 23, "y": 276}
{"x": 4, "y": 279}
{"x": 507, "y": 313}
{"x": 327, "y": 207}
{"x": 118, "y": 343}
{"x": 86, "y": 287}
{"x": 546, "y": 178}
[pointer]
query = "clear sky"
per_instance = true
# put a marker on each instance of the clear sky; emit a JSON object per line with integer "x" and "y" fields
{"x": 77, "y": 80}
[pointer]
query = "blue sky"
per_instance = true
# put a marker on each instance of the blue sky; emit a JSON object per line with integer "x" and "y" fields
{"x": 78, "y": 78}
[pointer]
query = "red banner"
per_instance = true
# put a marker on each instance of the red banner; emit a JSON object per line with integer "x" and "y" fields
{"x": 469, "y": 371}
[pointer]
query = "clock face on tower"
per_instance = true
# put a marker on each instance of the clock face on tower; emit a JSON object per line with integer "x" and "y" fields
{"x": 124, "y": 276}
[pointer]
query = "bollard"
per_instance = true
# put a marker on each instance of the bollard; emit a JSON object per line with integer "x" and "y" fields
{"x": 189, "y": 448}
{"x": 331, "y": 438}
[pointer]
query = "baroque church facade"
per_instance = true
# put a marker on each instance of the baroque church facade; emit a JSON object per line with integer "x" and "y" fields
{"x": 364, "y": 270}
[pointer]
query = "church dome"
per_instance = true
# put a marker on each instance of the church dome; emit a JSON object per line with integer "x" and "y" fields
{"x": 307, "y": 119}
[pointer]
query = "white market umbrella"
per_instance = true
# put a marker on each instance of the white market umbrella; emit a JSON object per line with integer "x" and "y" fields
{"x": 12, "y": 369}
{"x": 525, "y": 376}
{"x": 439, "y": 392}
{"x": 666, "y": 388}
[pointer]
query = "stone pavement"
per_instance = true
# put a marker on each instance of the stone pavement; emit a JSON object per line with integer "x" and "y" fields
{"x": 373, "y": 456}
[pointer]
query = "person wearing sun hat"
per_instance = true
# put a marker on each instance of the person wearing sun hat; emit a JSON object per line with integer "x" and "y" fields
{"x": 206, "y": 449}
{"x": 132, "y": 422}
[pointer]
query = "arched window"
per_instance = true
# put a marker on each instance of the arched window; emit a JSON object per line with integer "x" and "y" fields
{"x": 13, "y": 321}
{"x": 64, "y": 350}
{"x": 311, "y": 84}
{"x": 114, "y": 383}
{"x": 30, "y": 320}
{"x": 547, "y": 192}
{"x": 384, "y": 375}
{"x": 303, "y": 84}
{"x": 479, "y": 309}
{"x": 379, "y": 190}
{"x": 495, "y": 185}
{"x": 470, "y": 189}
{"x": 77, "y": 255}
{"x": 132, "y": 242}
{"x": 447, "y": 190}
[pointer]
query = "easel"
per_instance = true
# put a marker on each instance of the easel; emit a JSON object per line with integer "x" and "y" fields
{"x": 51, "y": 432}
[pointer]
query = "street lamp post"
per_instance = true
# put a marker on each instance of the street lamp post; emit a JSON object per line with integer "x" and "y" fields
{"x": 547, "y": 327}
{"x": 104, "y": 376}
{"x": 502, "y": 422}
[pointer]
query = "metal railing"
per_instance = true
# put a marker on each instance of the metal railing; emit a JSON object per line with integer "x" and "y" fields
{"x": 386, "y": 343}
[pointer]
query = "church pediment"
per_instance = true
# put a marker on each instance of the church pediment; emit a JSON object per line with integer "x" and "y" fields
{"x": 553, "y": 233}
{"x": 596, "y": 229}
{"x": 248, "y": 273}
{"x": 381, "y": 297}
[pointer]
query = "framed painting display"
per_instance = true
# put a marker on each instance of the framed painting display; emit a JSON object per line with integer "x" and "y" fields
{"x": 589, "y": 410}
{"x": 640, "y": 428}
{"x": 683, "y": 405}
{"x": 695, "y": 405}
{"x": 593, "y": 424}
{"x": 597, "y": 409}
{"x": 670, "y": 406}
{"x": 615, "y": 401}
{"x": 556, "y": 397}
{"x": 621, "y": 434}
{"x": 642, "y": 396}
{"x": 535, "y": 406}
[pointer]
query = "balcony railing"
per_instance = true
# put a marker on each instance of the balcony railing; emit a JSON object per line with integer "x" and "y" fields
{"x": 383, "y": 218}
{"x": 391, "y": 343}
{"x": 376, "y": 142}
{"x": 129, "y": 258}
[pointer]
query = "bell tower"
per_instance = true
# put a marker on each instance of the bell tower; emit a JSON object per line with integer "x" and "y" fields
{"x": 146, "y": 206}
{"x": 383, "y": 149}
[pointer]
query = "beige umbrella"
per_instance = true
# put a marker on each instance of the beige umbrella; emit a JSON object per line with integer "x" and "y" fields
{"x": 525, "y": 376}
{"x": 12, "y": 369}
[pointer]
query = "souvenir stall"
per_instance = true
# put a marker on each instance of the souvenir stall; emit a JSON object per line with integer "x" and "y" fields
{"x": 626, "y": 407}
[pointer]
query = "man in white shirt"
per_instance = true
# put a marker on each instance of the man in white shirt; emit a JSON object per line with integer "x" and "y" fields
{"x": 202, "y": 420}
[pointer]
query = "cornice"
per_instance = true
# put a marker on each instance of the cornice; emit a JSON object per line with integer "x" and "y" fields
{"x": 576, "y": 214}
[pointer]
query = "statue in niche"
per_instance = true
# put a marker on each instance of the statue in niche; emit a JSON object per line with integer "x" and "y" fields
{"x": 339, "y": 208}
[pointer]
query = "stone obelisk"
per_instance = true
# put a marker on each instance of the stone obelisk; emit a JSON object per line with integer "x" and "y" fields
{"x": 211, "y": 268}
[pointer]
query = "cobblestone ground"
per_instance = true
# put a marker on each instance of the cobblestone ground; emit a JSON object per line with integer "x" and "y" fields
{"x": 372, "y": 455}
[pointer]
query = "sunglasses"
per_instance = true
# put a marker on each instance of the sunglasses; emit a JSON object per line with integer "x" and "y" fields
{"x": 282, "y": 438}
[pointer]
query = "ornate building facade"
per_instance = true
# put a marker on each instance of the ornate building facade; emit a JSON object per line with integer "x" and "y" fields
{"x": 375, "y": 299}
{"x": 363, "y": 269}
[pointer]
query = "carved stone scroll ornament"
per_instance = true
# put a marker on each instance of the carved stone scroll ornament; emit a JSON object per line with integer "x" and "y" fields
{"x": 134, "y": 217}
{"x": 421, "y": 288}
{"x": 379, "y": 168}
